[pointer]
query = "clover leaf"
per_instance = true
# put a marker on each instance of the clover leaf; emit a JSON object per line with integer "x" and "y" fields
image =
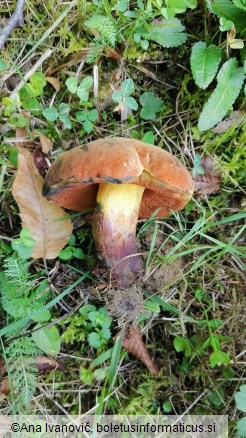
{"x": 151, "y": 105}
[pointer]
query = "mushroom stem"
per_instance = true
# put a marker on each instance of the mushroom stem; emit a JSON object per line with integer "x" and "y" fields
{"x": 114, "y": 229}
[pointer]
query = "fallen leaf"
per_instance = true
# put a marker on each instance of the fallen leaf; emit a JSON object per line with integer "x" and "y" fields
{"x": 4, "y": 387}
{"x": 235, "y": 118}
{"x": 55, "y": 82}
{"x": 46, "y": 143}
{"x": 133, "y": 343}
{"x": 113, "y": 54}
{"x": 48, "y": 223}
{"x": 210, "y": 181}
{"x": 47, "y": 364}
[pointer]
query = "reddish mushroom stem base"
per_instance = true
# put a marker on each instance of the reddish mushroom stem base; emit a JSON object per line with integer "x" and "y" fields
{"x": 114, "y": 230}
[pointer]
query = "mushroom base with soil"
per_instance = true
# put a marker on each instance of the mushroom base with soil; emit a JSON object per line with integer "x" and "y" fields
{"x": 114, "y": 229}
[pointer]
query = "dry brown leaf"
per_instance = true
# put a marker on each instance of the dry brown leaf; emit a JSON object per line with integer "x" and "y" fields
{"x": 4, "y": 387}
{"x": 41, "y": 160}
{"x": 46, "y": 143}
{"x": 235, "y": 118}
{"x": 49, "y": 225}
{"x": 133, "y": 343}
{"x": 47, "y": 364}
{"x": 55, "y": 82}
{"x": 210, "y": 181}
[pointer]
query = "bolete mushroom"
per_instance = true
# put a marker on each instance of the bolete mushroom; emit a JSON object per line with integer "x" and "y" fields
{"x": 122, "y": 179}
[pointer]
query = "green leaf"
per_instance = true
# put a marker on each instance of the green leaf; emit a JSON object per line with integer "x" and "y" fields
{"x": 24, "y": 252}
{"x": 218, "y": 357}
{"x": 88, "y": 126}
{"x": 47, "y": 339}
{"x": 32, "y": 105}
{"x": 167, "y": 33}
{"x": 149, "y": 137}
{"x": 82, "y": 93}
{"x": 100, "y": 374}
{"x": 86, "y": 83}
{"x": 84, "y": 310}
{"x": 122, "y": 5}
{"x": 86, "y": 376}
{"x": 240, "y": 398}
{"x": 78, "y": 254}
{"x": 230, "y": 80}
{"x": 240, "y": 4}
{"x": 18, "y": 120}
{"x": 217, "y": 397}
{"x": 93, "y": 115}
{"x": 131, "y": 103}
{"x": 105, "y": 333}
{"x": 10, "y": 105}
{"x": 225, "y": 24}
{"x": 181, "y": 344}
{"x": 50, "y": 114}
{"x": 81, "y": 116}
{"x": 241, "y": 427}
{"x": 204, "y": 63}
{"x": 38, "y": 80}
{"x": 72, "y": 85}
{"x": 226, "y": 9}
{"x": 3, "y": 65}
{"x": 127, "y": 87}
{"x": 94, "y": 340}
{"x": 191, "y": 3}
{"x": 215, "y": 343}
{"x": 43, "y": 315}
{"x": 179, "y": 6}
{"x": 66, "y": 254}
{"x": 116, "y": 96}
{"x": 66, "y": 122}
{"x": 64, "y": 109}
{"x": 105, "y": 26}
{"x": 151, "y": 105}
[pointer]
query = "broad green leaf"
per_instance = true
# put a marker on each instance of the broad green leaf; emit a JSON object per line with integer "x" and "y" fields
{"x": 167, "y": 33}
{"x": 240, "y": 398}
{"x": 204, "y": 63}
{"x": 94, "y": 340}
{"x": 226, "y": 9}
{"x": 88, "y": 126}
{"x": 93, "y": 115}
{"x": 43, "y": 315}
{"x": 50, "y": 114}
{"x": 66, "y": 254}
{"x": 225, "y": 24}
{"x": 116, "y": 96}
{"x": 241, "y": 4}
{"x": 18, "y": 120}
{"x": 122, "y": 5}
{"x": 72, "y": 85}
{"x": 82, "y": 93}
{"x": 179, "y": 6}
{"x": 100, "y": 374}
{"x": 81, "y": 116}
{"x": 32, "y": 105}
{"x": 64, "y": 109}
{"x": 149, "y": 137}
{"x": 151, "y": 105}
{"x": 105, "y": 333}
{"x": 131, "y": 103}
{"x": 127, "y": 87}
{"x": 191, "y": 3}
{"x": 181, "y": 344}
{"x": 66, "y": 122}
{"x": 218, "y": 357}
{"x": 241, "y": 427}
{"x": 230, "y": 80}
{"x": 47, "y": 339}
{"x": 86, "y": 83}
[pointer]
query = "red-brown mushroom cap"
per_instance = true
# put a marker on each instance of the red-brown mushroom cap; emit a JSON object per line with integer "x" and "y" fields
{"x": 72, "y": 181}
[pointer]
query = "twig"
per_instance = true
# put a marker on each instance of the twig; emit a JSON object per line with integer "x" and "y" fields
{"x": 15, "y": 20}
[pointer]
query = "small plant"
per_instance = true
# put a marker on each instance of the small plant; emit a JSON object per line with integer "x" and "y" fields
{"x": 24, "y": 244}
{"x": 82, "y": 89}
{"x": 123, "y": 96}
{"x": 197, "y": 169}
{"x": 52, "y": 114}
{"x": 71, "y": 251}
{"x": 151, "y": 105}
{"x": 88, "y": 118}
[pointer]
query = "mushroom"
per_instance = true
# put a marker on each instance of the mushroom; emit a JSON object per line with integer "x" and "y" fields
{"x": 122, "y": 179}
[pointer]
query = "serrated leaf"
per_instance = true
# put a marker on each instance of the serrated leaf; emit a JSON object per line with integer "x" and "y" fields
{"x": 47, "y": 222}
{"x": 130, "y": 102}
{"x": 204, "y": 63}
{"x": 167, "y": 33}
{"x": 47, "y": 339}
{"x": 226, "y": 9}
{"x": 219, "y": 357}
{"x": 50, "y": 114}
{"x": 127, "y": 87}
{"x": 240, "y": 398}
{"x": 72, "y": 85}
{"x": 230, "y": 80}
